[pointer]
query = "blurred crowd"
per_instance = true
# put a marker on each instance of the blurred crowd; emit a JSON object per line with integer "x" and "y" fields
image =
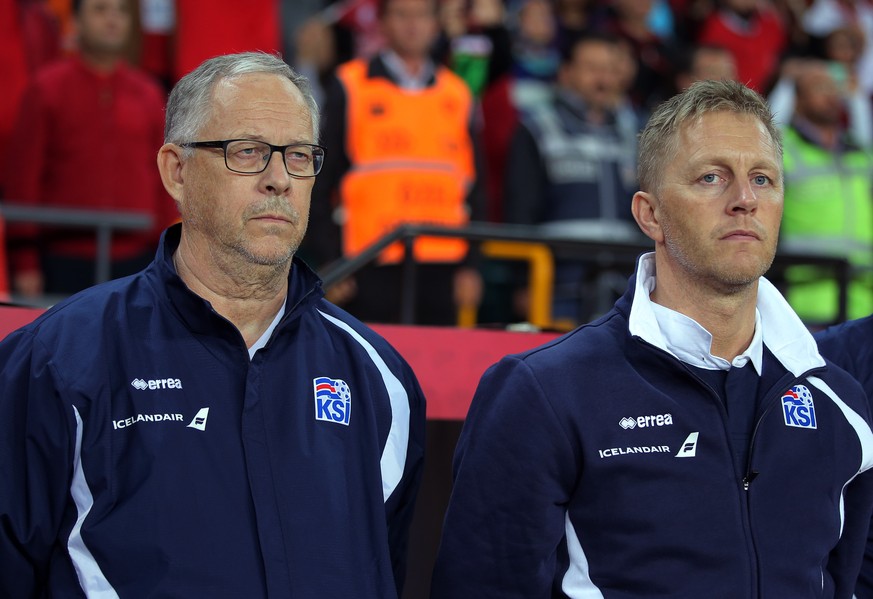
{"x": 557, "y": 90}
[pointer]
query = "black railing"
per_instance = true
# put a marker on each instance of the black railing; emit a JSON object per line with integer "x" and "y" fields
{"x": 600, "y": 251}
{"x": 101, "y": 221}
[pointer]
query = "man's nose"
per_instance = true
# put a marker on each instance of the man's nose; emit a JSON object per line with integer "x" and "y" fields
{"x": 275, "y": 177}
{"x": 744, "y": 196}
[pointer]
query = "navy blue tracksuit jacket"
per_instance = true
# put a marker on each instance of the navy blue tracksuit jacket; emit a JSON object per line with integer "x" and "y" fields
{"x": 143, "y": 454}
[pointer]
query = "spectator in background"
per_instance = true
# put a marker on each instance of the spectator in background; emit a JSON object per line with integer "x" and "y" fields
{"x": 791, "y": 13}
{"x": 535, "y": 41}
{"x": 294, "y": 15}
{"x": 475, "y": 41}
{"x": 688, "y": 15}
{"x": 13, "y": 69}
{"x": 356, "y": 25}
{"x": 477, "y": 46}
{"x": 826, "y": 16}
{"x": 536, "y": 53}
{"x": 842, "y": 51}
{"x": 207, "y": 28}
{"x": 29, "y": 39}
{"x": 571, "y": 166}
{"x": 400, "y": 132}
{"x": 574, "y": 18}
{"x": 828, "y": 199}
{"x": 754, "y": 33}
{"x": 315, "y": 54}
{"x": 88, "y": 112}
{"x": 629, "y": 20}
{"x": 705, "y": 62}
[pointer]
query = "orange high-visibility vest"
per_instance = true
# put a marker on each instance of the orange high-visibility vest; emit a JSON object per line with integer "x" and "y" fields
{"x": 411, "y": 162}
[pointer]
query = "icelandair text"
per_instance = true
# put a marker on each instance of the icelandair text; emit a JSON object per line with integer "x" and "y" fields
{"x": 614, "y": 451}
{"x": 117, "y": 424}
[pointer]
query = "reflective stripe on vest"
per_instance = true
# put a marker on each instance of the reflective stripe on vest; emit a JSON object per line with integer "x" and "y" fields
{"x": 411, "y": 162}
{"x": 828, "y": 210}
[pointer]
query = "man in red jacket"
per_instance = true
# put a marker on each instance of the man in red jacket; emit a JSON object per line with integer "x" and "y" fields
{"x": 86, "y": 137}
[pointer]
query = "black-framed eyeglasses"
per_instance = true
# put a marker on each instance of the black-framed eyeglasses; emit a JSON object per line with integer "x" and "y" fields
{"x": 250, "y": 156}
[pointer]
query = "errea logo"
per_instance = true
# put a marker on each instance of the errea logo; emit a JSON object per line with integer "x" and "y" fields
{"x": 154, "y": 384}
{"x": 628, "y": 423}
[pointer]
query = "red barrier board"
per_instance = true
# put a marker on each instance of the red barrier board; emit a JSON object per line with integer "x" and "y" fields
{"x": 447, "y": 361}
{"x": 13, "y": 317}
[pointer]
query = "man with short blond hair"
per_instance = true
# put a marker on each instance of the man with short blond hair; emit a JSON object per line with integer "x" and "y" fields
{"x": 691, "y": 442}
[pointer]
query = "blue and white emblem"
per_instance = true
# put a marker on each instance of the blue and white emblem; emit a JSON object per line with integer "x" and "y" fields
{"x": 798, "y": 408}
{"x": 333, "y": 400}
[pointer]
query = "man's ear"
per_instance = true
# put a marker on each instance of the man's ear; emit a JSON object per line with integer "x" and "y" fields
{"x": 170, "y": 167}
{"x": 645, "y": 210}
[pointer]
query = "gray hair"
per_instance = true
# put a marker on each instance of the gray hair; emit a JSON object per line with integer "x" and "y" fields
{"x": 188, "y": 107}
{"x": 659, "y": 141}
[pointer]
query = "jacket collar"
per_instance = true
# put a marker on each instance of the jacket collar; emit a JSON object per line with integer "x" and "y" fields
{"x": 304, "y": 289}
{"x": 783, "y": 333}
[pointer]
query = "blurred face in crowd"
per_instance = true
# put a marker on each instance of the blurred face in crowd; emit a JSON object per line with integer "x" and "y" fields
{"x": 593, "y": 73}
{"x": 410, "y": 27}
{"x": 573, "y": 13}
{"x": 845, "y": 45}
{"x": 103, "y": 26}
{"x": 259, "y": 218}
{"x": 625, "y": 66}
{"x": 714, "y": 64}
{"x": 818, "y": 95}
{"x": 536, "y": 22}
{"x": 718, "y": 207}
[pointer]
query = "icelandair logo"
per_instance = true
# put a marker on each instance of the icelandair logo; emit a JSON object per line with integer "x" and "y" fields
{"x": 198, "y": 422}
{"x": 333, "y": 400}
{"x": 616, "y": 451}
{"x": 128, "y": 422}
{"x": 689, "y": 447}
{"x": 687, "y": 450}
{"x": 154, "y": 384}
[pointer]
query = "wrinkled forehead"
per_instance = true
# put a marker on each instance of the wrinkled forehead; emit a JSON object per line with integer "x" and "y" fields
{"x": 726, "y": 133}
{"x": 257, "y": 96}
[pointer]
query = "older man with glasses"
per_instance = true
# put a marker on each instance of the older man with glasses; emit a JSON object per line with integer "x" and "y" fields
{"x": 212, "y": 426}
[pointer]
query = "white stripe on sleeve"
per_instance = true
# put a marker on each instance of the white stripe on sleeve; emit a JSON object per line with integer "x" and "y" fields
{"x": 393, "y": 460}
{"x": 577, "y": 582}
{"x": 91, "y": 577}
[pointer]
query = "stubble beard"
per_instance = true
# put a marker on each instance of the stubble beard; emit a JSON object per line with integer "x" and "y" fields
{"x": 273, "y": 204}
{"x": 711, "y": 271}
{"x": 238, "y": 244}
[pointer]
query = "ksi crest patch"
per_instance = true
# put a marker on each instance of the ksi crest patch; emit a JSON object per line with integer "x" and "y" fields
{"x": 333, "y": 400}
{"x": 798, "y": 408}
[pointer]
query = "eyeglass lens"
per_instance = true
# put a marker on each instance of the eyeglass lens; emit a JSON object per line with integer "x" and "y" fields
{"x": 253, "y": 157}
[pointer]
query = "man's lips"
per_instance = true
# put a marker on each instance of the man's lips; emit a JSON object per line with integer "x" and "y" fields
{"x": 273, "y": 217}
{"x": 742, "y": 234}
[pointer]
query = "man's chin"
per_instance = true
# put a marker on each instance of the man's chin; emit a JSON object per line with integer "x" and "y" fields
{"x": 277, "y": 254}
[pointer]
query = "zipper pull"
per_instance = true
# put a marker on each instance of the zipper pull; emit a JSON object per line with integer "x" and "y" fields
{"x": 749, "y": 478}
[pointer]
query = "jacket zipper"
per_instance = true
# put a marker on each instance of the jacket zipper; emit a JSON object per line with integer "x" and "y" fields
{"x": 750, "y": 475}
